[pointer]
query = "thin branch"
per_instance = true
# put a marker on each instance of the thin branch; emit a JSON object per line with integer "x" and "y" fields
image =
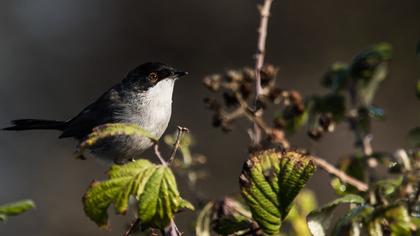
{"x": 158, "y": 154}
{"x": 340, "y": 174}
{"x": 131, "y": 229}
{"x": 264, "y": 11}
{"x": 181, "y": 131}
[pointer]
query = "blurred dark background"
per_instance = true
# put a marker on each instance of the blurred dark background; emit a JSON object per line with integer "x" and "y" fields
{"x": 56, "y": 56}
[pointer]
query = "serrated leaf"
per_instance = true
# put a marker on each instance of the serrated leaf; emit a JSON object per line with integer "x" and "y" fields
{"x": 319, "y": 220}
{"x": 152, "y": 185}
{"x": 269, "y": 183}
{"x": 114, "y": 129}
{"x": 16, "y": 208}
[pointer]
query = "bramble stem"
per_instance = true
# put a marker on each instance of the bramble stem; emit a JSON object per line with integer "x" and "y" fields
{"x": 264, "y": 10}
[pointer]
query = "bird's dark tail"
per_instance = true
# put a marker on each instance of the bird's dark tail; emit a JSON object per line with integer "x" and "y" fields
{"x": 29, "y": 124}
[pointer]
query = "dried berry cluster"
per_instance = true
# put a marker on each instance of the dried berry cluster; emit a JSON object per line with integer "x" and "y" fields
{"x": 236, "y": 87}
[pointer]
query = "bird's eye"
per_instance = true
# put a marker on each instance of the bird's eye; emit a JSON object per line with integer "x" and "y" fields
{"x": 153, "y": 77}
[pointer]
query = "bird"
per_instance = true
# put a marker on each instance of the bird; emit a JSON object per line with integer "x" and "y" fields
{"x": 143, "y": 98}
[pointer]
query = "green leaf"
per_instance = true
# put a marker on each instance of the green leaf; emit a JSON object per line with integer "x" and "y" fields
{"x": 16, "y": 208}
{"x": 319, "y": 220}
{"x": 414, "y": 137}
{"x": 418, "y": 89}
{"x": 269, "y": 183}
{"x": 114, "y": 129}
{"x": 152, "y": 185}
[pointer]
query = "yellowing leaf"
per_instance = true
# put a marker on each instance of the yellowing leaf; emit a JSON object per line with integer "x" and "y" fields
{"x": 114, "y": 129}
{"x": 153, "y": 186}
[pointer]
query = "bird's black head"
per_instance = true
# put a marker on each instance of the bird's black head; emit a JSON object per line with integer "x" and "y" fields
{"x": 150, "y": 73}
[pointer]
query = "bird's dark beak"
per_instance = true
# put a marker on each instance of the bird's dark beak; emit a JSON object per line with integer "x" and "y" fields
{"x": 181, "y": 73}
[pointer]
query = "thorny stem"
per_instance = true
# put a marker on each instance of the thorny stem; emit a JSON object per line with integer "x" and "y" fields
{"x": 264, "y": 11}
{"x": 181, "y": 131}
{"x": 340, "y": 174}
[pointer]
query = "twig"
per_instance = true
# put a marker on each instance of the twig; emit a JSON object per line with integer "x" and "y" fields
{"x": 264, "y": 11}
{"x": 340, "y": 174}
{"x": 181, "y": 131}
{"x": 132, "y": 227}
{"x": 158, "y": 154}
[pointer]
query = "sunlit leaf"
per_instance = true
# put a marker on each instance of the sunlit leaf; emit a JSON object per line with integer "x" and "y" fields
{"x": 16, "y": 208}
{"x": 114, "y": 129}
{"x": 319, "y": 220}
{"x": 153, "y": 186}
{"x": 270, "y": 181}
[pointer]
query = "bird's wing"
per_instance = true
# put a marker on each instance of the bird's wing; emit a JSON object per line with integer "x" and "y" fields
{"x": 99, "y": 112}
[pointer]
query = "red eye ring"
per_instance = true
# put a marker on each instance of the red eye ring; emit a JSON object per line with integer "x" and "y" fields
{"x": 153, "y": 76}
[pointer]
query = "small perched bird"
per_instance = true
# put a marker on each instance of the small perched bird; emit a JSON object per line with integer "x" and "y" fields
{"x": 143, "y": 97}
